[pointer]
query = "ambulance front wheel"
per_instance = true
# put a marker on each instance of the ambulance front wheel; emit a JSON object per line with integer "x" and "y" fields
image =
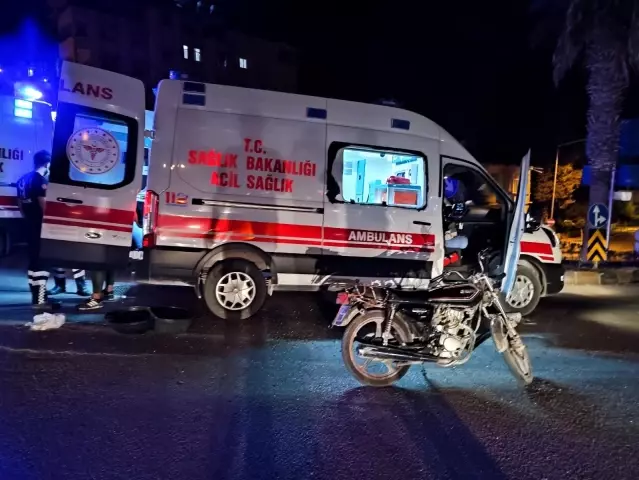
{"x": 526, "y": 291}
{"x": 235, "y": 289}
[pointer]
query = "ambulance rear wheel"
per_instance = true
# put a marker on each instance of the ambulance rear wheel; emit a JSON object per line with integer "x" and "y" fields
{"x": 235, "y": 289}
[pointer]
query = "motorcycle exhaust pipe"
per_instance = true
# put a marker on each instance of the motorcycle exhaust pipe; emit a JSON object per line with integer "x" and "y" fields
{"x": 393, "y": 353}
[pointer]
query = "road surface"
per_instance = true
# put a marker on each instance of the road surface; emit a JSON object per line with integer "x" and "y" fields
{"x": 271, "y": 399}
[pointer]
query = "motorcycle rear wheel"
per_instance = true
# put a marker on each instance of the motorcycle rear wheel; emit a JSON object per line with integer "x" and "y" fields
{"x": 349, "y": 356}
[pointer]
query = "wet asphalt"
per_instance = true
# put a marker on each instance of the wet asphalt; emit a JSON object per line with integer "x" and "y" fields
{"x": 270, "y": 399}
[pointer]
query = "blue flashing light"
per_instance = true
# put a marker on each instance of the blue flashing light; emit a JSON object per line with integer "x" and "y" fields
{"x": 30, "y": 72}
{"x": 19, "y": 103}
{"x": 54, "y": 115}
{"x": 400, "y": 124}
{"x": 320, "y": 113}
{"x": 23, "y": 112}
{"x": 193, "y": 99}
{"x": 30, "y": 93}
{"x": 194, "y": 87}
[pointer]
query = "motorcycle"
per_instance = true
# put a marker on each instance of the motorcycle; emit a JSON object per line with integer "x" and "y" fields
{"x": 391, "y": 329}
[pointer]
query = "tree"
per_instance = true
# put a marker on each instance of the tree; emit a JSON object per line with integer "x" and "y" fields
{"x": 568, "y": 180}
{"x": 603, "y": 35}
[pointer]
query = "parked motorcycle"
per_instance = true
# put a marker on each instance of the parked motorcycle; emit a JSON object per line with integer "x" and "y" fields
{"x": 388, "y": 330}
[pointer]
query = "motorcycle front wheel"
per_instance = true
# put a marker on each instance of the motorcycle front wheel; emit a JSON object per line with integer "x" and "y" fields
{"x": 368, "y": 328}
{"x": 519, "y": 364}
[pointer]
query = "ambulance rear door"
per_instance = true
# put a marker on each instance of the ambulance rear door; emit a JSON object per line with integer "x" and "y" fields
{"x": 96, "y": 169}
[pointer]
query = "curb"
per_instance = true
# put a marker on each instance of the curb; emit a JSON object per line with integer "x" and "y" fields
{"x": 617, "y": 276}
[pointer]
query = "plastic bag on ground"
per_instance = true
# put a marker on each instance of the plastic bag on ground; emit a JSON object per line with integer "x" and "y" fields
{"x": 46, "y": 321}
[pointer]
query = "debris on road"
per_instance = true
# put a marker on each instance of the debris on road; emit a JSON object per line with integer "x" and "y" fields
{"x": 46, "y": 321}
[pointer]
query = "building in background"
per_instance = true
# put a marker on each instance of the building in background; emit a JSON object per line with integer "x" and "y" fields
{"x": 148, "y": 39}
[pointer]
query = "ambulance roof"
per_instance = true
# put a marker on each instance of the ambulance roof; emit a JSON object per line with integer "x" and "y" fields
{"x": 246, "y": 101}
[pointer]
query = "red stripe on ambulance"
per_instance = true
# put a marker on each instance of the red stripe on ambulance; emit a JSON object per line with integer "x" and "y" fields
{"x": 89, "y": 213}
{"x": 212, "y": 228}
{"x": 94, "y": 226}
{"x": 536, "y": 248}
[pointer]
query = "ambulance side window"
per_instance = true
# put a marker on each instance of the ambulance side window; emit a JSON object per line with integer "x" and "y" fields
{"x": 95, "y": 148}
{"x": 374, "y": 176}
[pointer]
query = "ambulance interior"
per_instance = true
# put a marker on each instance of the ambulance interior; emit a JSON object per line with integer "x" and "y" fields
{"x": 473, "y": 208}
{"x": 382, "y": 178}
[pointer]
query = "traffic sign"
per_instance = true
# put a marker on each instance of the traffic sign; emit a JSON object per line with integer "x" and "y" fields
{"x": 598, "y": 215}
{"x": 597, "y": 246}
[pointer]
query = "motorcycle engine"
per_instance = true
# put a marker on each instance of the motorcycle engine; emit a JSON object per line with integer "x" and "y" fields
{"x": 451, "y": 331}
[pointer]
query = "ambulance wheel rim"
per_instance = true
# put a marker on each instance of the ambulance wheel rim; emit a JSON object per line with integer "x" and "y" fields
{"x": 522, "y": 293}
{"x": 235, "y": 291}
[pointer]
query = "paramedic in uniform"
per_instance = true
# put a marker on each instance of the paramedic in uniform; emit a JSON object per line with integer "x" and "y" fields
{"x": 31, "y": 201}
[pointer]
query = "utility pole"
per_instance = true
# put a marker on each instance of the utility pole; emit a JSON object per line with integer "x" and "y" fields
{"x": 554, "y": 187}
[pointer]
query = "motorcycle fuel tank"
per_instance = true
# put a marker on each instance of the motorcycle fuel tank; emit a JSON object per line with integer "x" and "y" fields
{"x": 463, "y": 294}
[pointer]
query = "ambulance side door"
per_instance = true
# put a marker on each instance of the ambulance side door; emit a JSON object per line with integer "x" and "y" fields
{"x": 382, "y": 216}
{"x": 96, "y": 169}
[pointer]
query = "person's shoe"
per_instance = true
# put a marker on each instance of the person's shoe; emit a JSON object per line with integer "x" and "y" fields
{"x": 90, "y": 305}
{"x": 108, "y": 296}
{"x": 81, "y": 287}
{"x": 47, "y": 307}
{"x": 57, "y": 290}
{"x": 40, "y": 302}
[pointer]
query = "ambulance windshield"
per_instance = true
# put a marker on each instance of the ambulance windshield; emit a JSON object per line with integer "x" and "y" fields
{"x": 373, "y": 177}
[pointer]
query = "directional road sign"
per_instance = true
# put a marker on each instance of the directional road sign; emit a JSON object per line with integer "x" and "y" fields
{"x": 597, "y": 246}
{"x": 598, "y": 215}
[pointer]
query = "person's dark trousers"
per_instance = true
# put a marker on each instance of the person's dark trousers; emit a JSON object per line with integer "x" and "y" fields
{"x": 59, "y": 276}
{"x": 37, "y": 275}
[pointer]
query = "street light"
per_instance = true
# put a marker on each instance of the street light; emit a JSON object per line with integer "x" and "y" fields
{"x": 554, "y": 182}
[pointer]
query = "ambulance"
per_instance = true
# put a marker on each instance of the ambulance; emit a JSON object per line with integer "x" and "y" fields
{"x": 25, "y": 127}
{"x": 250, "y": 191}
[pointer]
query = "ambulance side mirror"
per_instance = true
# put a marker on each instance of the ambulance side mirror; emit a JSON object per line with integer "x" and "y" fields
{"x": 532, "y": 223}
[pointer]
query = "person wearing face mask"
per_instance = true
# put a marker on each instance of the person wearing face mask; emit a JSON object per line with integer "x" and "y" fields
{"x": 31, "y": 192}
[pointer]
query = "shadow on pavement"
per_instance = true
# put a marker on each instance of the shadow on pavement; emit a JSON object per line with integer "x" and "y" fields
{"x": 423, "y": 425}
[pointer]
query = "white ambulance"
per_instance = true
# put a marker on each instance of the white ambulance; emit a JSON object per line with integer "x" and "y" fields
{"x": 249, "y": 191}
{"x": 25, "y": 127}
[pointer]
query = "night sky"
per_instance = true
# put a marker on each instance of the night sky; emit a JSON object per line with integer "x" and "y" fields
{"x": 480, "y": 69}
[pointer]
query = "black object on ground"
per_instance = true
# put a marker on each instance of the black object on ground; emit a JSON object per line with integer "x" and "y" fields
{"x": 131, "y": 320}
{"x": 172, "y": 320}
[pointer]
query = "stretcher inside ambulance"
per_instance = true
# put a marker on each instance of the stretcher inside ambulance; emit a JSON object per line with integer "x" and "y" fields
{"x": 249, "y": 191}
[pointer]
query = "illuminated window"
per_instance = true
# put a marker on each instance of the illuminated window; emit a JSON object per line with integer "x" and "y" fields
{"x": 22, "y": 108}
{"x": 197, "y": 54}
{"x": 243, "y": 63}
{"x": 388, "y": 178}
{"x": 185, "y": 49}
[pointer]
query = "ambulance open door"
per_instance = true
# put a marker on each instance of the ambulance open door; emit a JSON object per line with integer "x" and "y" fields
{"x": 516, "y": 229}
{"x": 96, "y": 169}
